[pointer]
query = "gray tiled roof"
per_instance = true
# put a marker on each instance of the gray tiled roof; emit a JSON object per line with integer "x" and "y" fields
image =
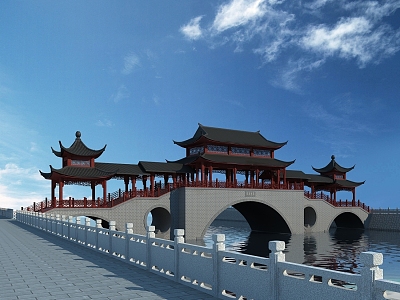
{"x": 230, "y": 136}
{"x": 238, "y": 160}
{"x": 122, "y": 169}
{"x": 332, "y": 166}
{"x": 78, "y": 148}
{"x": 164, "y": 167}
{"x": 82, "y": 172}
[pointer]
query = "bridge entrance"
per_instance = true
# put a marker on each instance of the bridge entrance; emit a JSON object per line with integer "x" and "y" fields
{"x": 262, "y": 218}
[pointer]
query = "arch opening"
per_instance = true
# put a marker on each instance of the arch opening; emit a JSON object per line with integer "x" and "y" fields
{"x": 262, "y": 218}
{"x": 310, "y": 216}
{"x": 347, "y": 220}
{"x": 104, "y": 223}
{"x": 160, "y": 218}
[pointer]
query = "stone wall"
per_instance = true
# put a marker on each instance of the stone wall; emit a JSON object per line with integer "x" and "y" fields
{"x": 383, "y": 220}
{"x": 6, "y": 213}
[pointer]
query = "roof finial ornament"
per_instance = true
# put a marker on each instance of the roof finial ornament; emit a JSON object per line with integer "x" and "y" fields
{"x": 78, "y": 134}
{"x": 333, "y": 157}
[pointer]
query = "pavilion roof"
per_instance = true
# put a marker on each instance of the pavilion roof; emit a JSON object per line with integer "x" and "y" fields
{"x": 333, "y": 166}
{"x": 78, "y": 148}
{"x": 122, "y": 169}
{"x": 230, "y": 136}
{"x": 164, "y": 167}
{"x": 82, "y": 173}
{"x": 321, "y": 180}
{"x": 237, "y": 160}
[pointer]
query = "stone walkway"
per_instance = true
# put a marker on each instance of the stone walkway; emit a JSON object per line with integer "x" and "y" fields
{"x": 37, "y": 265}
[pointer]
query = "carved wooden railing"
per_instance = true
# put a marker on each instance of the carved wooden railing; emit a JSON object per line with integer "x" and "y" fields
{"x": 336, "y": 203}
{"x": 161, "y": 189}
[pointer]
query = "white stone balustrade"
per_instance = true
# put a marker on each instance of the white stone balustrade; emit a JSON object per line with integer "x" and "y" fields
{"x": 215, "y": 271}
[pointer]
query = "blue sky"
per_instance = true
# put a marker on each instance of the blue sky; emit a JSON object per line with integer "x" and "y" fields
{"x": 323, "y": 75}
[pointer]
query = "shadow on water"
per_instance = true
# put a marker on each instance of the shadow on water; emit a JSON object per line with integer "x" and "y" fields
{"x": 337, "y": 250}
{"x": 257, "y": 243}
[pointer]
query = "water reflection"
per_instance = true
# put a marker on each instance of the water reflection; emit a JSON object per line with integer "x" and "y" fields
{"x": 338, "y": 249}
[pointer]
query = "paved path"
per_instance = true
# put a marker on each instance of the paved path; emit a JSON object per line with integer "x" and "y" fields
{"x": 38, "y": 265}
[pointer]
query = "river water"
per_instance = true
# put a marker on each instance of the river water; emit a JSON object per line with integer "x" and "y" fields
{"x": 338, "y": 249}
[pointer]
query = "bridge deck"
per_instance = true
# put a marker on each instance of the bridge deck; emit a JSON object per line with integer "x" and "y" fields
{"x": 37, "y": 265}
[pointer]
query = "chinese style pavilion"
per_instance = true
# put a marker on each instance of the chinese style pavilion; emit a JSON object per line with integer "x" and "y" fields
{"x": 233, "y": 152}
{"x": 211, "y": 150}
{"x": 331, "y": 179}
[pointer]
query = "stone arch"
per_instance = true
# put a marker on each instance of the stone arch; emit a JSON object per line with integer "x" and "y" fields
{"x": 310, "y": 216}
{"x": 347, "y": 220}
{"x": 255, "y": 212}
{"x": 161, "y": 218}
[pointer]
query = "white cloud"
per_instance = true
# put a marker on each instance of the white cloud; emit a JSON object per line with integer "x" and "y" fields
{"x": 192, "y": 30}
{"x": 317, "y": 4}
{"x": 130, "y": 62}
{"x": 354, "y": 30}
{"x": 122, "y": 93}
{"x": 237, "y": 13}
{"x": 373, "y": 9}
{"x": 350, "y": 38}
{"x": 17, "y": 185}
{"x": 104, "y": 123}
{"x": 288, "y": 77}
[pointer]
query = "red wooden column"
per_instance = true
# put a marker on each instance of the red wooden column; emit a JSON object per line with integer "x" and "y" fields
{"x": 133, "y": 182}
{"x": 202, "y": 174}
{"x": 354, "y": 195}
{"x": 166, "y": 177}
{"x": 234, "y": 176}
{"x": 174, "y": 180}
{"x": 257, "y": 177}
{"x": 60, "y": 192}
{"x": 93, "y": 187}
{"x": 284, "y": 176}
{"x": 152, "y": 184}
{"x": 126, "y": 181}
{"x": 144, "y": 180}
{"x": 104, "y": 185}
{"x": 53, "y": 192}
{"x": 210, "y": 170}
{"x": 279, "y": 178}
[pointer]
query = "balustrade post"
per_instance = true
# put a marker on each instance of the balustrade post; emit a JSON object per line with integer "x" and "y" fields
{"x": 128, "y": 230}
{"x": 275, "y": 257}
{"x": 370, "y": 273}
{"x": 57, "y": 223}
{"x": 87, "y": 228}
{"x": 64, "y": 231}
{"x": 70, "y": 221}
{"x": 179, "y": 239}
{"x": 219, "y": 245}
{"x": 150, "y": 235}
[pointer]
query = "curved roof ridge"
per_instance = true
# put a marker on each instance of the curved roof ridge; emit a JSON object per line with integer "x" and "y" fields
{"x": 331, "y": 166}
{"x": 231, "y": 136}
{"x": 79, "y": 148}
